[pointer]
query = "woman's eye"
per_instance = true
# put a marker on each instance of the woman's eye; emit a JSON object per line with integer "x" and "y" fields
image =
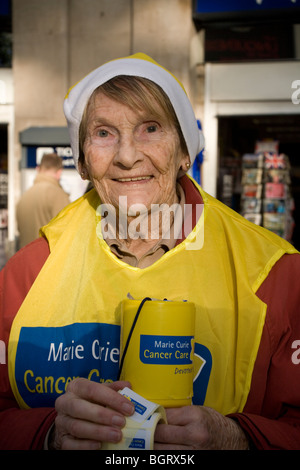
{"x": 152, "y": 128}
{"x": 102, "y": 133}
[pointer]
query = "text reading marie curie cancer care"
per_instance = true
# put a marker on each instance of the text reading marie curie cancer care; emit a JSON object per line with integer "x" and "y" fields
{"x": 170, "y": 350}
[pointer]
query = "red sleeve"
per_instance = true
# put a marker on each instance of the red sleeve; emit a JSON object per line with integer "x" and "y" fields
{"x": 19, "y": 429}
{"x": 271, "y": 416}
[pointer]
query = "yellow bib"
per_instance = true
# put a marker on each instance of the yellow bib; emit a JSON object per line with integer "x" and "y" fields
{"x": 69, "y": 323}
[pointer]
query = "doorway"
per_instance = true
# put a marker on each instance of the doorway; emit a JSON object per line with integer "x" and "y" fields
{"x": 237, "y": 135}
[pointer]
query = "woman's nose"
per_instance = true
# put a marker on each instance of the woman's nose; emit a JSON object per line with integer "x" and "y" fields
{"x": 127, "y": 154}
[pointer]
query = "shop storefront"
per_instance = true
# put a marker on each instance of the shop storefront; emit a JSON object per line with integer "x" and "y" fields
{"x": 251, "y": 107}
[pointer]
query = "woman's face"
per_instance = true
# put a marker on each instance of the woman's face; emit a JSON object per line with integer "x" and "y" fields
{"x": 130, "y": 153}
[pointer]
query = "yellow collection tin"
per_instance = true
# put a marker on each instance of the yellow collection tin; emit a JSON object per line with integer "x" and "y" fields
{"x": 158, "y": 359}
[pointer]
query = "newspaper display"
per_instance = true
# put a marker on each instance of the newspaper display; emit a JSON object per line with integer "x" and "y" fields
{"x": 266, "y": 199}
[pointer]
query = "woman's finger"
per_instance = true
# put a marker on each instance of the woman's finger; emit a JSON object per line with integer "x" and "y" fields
{"x": 96, "y": 393}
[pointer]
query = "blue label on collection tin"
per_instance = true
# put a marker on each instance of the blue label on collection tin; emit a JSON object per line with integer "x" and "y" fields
{"x": 171, "y": 350}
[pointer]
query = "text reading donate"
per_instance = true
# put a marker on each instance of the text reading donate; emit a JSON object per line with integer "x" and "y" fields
{"x": 175, "y": 350}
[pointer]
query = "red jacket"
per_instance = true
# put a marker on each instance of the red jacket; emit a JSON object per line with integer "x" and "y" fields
{"x": 271, "y": 416}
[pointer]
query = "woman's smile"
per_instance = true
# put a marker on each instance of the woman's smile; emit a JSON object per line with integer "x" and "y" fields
{"x": 133, "y": 179}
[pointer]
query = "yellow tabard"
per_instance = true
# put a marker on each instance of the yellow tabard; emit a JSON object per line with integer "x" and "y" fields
{"x": 69, "y": 323}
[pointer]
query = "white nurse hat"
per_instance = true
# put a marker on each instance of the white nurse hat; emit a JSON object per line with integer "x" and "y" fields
{"x": 139, "y": 65}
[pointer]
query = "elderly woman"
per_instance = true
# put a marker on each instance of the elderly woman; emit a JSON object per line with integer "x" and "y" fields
{"x": 134, "y": 136}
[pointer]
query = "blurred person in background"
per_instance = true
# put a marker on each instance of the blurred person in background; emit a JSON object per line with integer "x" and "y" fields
{"x": 43, "y": 201}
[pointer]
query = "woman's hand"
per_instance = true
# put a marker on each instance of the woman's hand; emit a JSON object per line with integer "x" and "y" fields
{"x": 199, "y": 427}
{"x": 89, "y": 413}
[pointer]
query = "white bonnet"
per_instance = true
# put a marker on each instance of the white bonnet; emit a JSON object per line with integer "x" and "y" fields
{"x": 139, "y": 65}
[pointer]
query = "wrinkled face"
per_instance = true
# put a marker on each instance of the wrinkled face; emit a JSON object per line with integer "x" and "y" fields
{"x": 130, "y": 153}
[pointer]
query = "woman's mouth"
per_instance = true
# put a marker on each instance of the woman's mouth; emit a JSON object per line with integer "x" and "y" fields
{"x": 133, "y": 179}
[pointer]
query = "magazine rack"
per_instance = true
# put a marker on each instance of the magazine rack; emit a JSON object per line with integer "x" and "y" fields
{"x": 266, "y": 198}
